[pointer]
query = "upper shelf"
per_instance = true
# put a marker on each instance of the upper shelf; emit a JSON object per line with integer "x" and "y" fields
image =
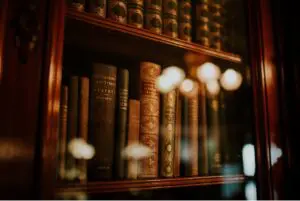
{"x": 148, "y": 184}
{"x": 145, "y": 34}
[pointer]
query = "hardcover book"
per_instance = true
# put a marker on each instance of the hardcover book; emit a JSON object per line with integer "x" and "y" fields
{"x": 149, "y": 117}
{"x": 102, "y": 120}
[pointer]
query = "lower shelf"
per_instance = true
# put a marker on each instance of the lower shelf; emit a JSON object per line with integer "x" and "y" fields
{"x": 147, "y": 184}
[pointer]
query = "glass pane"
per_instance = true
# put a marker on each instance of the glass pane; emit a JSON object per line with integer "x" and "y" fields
{"x": 156, "y": 110}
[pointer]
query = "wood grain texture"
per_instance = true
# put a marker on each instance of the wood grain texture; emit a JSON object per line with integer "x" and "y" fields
{"x": 146, "y": 34}
{"x": 3, "y": 14}
{"x": 121, "y": 186}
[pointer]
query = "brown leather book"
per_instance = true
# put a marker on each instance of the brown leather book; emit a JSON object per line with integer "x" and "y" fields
{"x": 167, "y": 134}
{"x": 72, "y": 124}
{"x": 63, "y": 131}
{"x": 133, "y": 136}
{"x": 203, "y": 148}
{"x": 83, "y": 121}
{"x": 102, "y": 120}
{"x": 193, "y": 135}
{"x": 177, "y": 140}
{"x": 149, "y": 118}
{"x": 121, "y": 121}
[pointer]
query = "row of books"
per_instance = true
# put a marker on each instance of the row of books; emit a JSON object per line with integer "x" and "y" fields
{"x": 99, "y": 110}
{"x": 174, "y": 18}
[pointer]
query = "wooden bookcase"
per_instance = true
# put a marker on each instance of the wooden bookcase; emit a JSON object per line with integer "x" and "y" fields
{"x": 59, "y": 30}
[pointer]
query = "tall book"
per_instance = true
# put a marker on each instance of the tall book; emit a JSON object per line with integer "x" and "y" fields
{"x": 184, "y": 146}
{"x": 72, "y": 125}
{"x": 133, "y": 136}
{"x": 83, "y": 121}
{"x": 167, "y": 134}
{"x": 177, "y": 140}
{"x": 214, "y": 154}
{"x": 102, "y": 120}
{"x": 121, "y": 123}
{"x": 203, "y": 148}
{"x": 193, "y": 135}
{"x": 63, "y": 131}
{"x": 149, "y": 117}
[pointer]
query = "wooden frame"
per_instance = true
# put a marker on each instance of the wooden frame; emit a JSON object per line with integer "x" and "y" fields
{"x": 264, "y": 91}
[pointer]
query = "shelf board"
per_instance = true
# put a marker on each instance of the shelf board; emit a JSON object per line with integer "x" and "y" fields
{"x": 149, "y": 184}
{"x": 148, "y": 35}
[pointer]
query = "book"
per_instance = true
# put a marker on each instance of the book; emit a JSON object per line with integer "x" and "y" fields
{"x": 177, "y": 140}
{"x": 185, "y": 20}
{"x": 117, "y": 10}
{"x": 184, "y": 146}
{"x": 201, "y": 22}
{"x": 203, "y": 147}
{"x": 193, "y": 135}
{"x": 153, "y": 18}
{"x": 83, "y": 121}
{"x": 63, "y": 131}
{"x": 167, "y": 134}
{"x": 135, "y": 13}
{"x": 149, "y": 117}
{"x": 102, "y": 120}
{"x": 97, "y": 7}
{"x": 121, "y": 121}
{"x": 133, "y": 136}
{"x": 72, "y": 126}
{"x": 170, "y": 20}
{"x": 77, "y": 4}
{"x": 213, "y": 121}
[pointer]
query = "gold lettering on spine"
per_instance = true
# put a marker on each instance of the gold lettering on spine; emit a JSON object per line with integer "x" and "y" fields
{"x": 105, "y": 87}
{"x": 149, "y": 118}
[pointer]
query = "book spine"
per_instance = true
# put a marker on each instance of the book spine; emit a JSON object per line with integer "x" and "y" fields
{"x": 184, "y": 146}
{"x": 77, "y": 4}
{"x": 170, "y": 22}
{"x": 117, "y": 10}
{"x": 133, "y": 136}
{"x": 97, "y": 7}
{"x": 102, "y": 119}
{"x": 121, "y": 123}
{"x": 177, "y": 137}
{"x": 83, "y": 121}
{"x": 216, "y": 25}
{"x": 72, "y": 117}
{"x": 136, "y": 13}
{"x": 149, "y": 117}
{"x": 214, "y": 135}
{"x": 203, "y": 148}
{"x": 193, "y": 135}
{"x": 185, "y": 20}
{"x": 63, "y": 131}
{"x": 167, "y": 135}
{"x": 153, "y": 19}
{"x": 202, "y": 23}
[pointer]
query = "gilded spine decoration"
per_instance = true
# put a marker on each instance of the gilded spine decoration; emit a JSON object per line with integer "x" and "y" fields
{"x": 136, "y": 13}
{"x": 97, "y": 7}
{"x": 167, "y": 134}
{"x": 153, "y": 19}
{"x": 202, "y": 22}
{"x": 149, "y": 118}
{"x": 185, "y": 24}
{"x": 117, "y": 10}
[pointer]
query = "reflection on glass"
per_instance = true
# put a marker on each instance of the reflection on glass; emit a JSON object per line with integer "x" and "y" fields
{"x": 249, "y": 160}
{"x": 208, "y": 71}
{"x": 231, "y": 80}
{"x": 276, "y": 153}
{"x": 175, "y": 75}
{"x": 136, "y": 151}
{"x": 213, "y": 87}
{"x": 80, "y": 149}
{"x": 164, "y": 83}
{"x": 251, "y": 191}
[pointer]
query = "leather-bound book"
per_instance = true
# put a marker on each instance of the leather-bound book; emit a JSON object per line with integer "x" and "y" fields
{"x": 83, "y": 121}
{"x": 214, "y": 152}
{"x": 77, "y": 4}
{"x": 184, "y": 146}
{"x": 102, "y": 120}
{"x": 149, "y": 117}
{"x": 167, "y": 134}
{"x": 133, "y": 136}
{"x": 72, "y": 125}
{"x": 97, "y": 7}
{"x": 63, "y": 131}
{"x": 177, "y": 140}
{"x": 121, "y": 121}
{"x": 117, "y": 10}
{"x": 203, "y": 141}
{"x": 193, "y": 135}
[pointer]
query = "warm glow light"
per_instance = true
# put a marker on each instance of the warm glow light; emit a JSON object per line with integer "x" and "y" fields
{"x": 231, "y": 80}
{"x": 164, "y": 83}
{"x": 136, "y": 151}
{"x": 213, "y": 87}
{"x": 175, "y": 74}
{"x": 249, "y": 159}
{"x": 208, "y": 71}
{"x": 80, "y": 149}
{"x": 187, "y": 86}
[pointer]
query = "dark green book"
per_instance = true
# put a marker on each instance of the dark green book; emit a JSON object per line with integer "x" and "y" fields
{"x": 121, "y": 121}
{"x": 185, "y": 162}
{"x": 102, "y": 120}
